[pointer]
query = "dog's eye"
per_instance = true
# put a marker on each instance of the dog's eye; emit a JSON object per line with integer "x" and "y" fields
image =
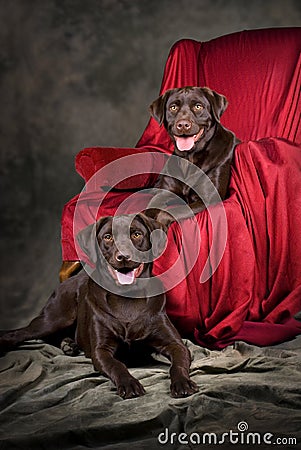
{"x": 198, "y": 106}
{"x": 136, "y": 234}
{"x": 107, "y": 237}
{"x": 173, "y": 107}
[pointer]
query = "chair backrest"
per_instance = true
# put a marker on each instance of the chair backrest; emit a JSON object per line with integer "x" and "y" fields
{"x": 259, "y": 72}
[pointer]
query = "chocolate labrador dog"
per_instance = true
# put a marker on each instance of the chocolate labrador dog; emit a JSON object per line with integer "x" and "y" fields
{"x": 191, "y": 115}
{"x": 116, "y": 304}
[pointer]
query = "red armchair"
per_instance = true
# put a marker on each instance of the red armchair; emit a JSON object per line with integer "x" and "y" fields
{"x": 256, "y": 287}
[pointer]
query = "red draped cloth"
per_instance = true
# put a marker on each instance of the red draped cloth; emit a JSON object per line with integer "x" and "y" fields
{"x": 249, "y": 286}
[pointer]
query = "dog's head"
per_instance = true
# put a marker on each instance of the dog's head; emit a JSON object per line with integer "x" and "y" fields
{"x": 123, "y": 246}
{"x": 189, "y": 114}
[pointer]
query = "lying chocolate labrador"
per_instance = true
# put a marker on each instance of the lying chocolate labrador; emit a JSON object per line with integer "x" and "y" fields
{"x": 103, "y": 319}
{"x": 191, "y": 115}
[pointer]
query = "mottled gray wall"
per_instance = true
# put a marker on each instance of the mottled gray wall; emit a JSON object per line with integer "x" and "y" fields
{"x": 76, "y": 74}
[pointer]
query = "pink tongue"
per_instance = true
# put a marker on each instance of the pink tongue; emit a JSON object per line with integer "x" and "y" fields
{"x": 185, "y": 143}
{"x": 125, "y": 278}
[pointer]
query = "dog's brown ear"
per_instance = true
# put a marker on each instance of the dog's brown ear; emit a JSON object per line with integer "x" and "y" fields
{"x": 217, "y": 101}
{"x": 157, "y": 108}
{"x": 158, "y": 233}
{"x": 87, "y": 239}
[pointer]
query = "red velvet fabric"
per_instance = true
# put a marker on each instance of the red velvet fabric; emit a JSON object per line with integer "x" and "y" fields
{"x": 259, "y": 277}
{"x": 256, "y": 288}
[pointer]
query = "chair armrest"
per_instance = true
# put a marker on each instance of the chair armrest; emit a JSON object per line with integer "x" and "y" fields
{"x": 96, "y": 162}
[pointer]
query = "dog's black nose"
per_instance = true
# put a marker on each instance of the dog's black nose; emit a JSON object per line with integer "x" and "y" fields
{"x": 183, "y": 125}
{"x": 122, "y": 257}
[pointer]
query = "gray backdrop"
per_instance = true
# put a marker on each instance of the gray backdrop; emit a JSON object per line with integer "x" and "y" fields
{"x": 76, "y": 74}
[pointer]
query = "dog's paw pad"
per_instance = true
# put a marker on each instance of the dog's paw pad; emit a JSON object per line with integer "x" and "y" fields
{"x": 69, "y": 347}
{"x": 183, "y": 388}
{"x": 130, "y": 388}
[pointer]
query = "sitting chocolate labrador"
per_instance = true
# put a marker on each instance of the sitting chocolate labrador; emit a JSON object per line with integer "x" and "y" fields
{"x": 132, "y": 311}
{"x": 191, "y": 115}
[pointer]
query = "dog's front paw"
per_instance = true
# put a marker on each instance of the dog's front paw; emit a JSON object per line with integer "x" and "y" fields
{"x": 183, "y": 387}
{"x": 70, "y": 347}
{"x": 130, "y": 388}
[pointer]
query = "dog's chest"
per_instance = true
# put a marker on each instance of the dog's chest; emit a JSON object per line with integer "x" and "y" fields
{"x": 129, "y": 317}
{"x": 185, "y": 175}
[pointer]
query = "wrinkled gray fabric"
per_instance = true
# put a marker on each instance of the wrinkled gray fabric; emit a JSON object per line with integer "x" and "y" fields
{"x": 52, "y": 401}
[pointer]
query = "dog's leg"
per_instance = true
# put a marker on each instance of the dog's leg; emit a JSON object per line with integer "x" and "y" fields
{"x": 158, "y": 203}
{"x": 58, "y": 313}
{"x": 179, "y": 213}
{"x": 181, "y": 384}
{"x": 169, "y": 344}
{"x": 104, "y": 361}
{"x": 213, "y": 188}
{"x": 209, "y": 189}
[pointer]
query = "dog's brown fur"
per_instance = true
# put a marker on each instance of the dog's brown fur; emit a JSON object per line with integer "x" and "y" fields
{"x": 191, "y": 115}
{"x": 105, "y": 321}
